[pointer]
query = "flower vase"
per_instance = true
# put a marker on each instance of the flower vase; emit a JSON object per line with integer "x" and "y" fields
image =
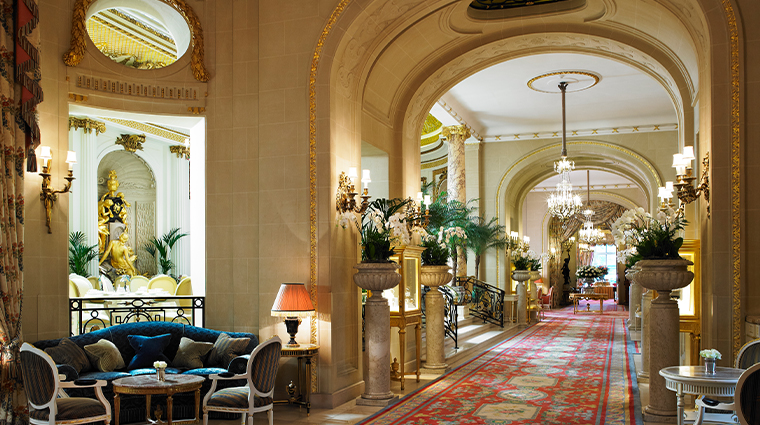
{"x": 161, "y": 374}
{"x": 710, "y": 366}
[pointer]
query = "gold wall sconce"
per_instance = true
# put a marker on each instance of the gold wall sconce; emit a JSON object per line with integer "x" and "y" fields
{"x": 686, "y": 191}
{"x": 48, "y": 195}
{"x": 418, "y": 213}
{"x": 345, "y": 198}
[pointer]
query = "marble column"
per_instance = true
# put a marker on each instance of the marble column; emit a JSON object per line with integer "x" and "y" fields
{"x": 434, "y": 331}
{"x": 663, "y": 352}
{"x": 377, "y": 333}
{"x": 83, "y": 197}
{"x": 455, "y": 136}
{"x": 634, "y": 323}
{"x": 646, "y": 302}
{"x": 522, "y": 304}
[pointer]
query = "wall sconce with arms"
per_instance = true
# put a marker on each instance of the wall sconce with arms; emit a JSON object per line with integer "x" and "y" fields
{"x": 48, "y": 195}
{"x": 345, "y": 198}
{"x": 687, "y": 193}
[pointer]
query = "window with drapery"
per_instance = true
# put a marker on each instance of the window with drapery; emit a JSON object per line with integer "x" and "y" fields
{"x": 605, "y": 255}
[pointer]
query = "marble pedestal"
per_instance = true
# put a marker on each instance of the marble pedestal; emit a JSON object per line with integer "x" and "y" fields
{"x": 634, "y": 323}
{"x": 522, "y": 304}
{"x": 663, "y": 352}
{"x": 377, "y": 334}
{"x": 646, "y": 302}
{"x": 434, "y": 312}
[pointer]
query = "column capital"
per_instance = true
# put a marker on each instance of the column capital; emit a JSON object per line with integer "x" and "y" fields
{"x": 180, "y": 151}
{"x": 87, "y": 124}
{"x": 459, "y": 131}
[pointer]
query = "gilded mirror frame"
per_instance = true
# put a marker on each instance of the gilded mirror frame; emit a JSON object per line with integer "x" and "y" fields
{"x": 78, "y": 45}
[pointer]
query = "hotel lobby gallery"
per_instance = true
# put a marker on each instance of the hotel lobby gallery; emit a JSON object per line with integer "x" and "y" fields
{"x": 289, "y": 92}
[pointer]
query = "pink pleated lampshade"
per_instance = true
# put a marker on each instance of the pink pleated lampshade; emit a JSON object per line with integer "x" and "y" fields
{"x": 293, "y": 300}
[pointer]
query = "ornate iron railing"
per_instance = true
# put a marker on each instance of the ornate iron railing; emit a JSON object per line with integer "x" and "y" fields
{"x": 450, "y": 314}
{"x": 485, "y": 301}
{"x": 88, "y": 314}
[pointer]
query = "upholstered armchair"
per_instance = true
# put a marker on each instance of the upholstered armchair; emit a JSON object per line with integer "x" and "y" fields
{"x": 546, "y": 300}
{"x": 42, "y": 385}
{"x": 256, "y": 395}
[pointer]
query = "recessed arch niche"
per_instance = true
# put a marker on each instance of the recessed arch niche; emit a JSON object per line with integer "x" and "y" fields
{"x": 137, "y": 182}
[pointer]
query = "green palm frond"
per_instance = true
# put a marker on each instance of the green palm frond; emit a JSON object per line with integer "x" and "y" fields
{"x": 80, "y": 254}
{"x": 161, "y": 248}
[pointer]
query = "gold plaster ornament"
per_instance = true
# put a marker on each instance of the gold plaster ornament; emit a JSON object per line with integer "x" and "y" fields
{"x": 78, "y": 44}
{"x": 180, "y": 151}
{"x": 122, "y": 256}
{"x": 131, "y": 142}
{"x": 87, "y": 125}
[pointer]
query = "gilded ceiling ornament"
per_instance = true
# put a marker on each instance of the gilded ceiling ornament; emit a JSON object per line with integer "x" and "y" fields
{"x": 180, "y": 151}
{"x": 76, "y": 51}
{"x": 87, "y": 125}
{"x": 131, "y": 142}
{"x": 456, "y": 130}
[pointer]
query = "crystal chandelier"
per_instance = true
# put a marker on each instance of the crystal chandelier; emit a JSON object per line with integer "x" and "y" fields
{"x": 588, "y": 234}
{"x": 563, "y": 204}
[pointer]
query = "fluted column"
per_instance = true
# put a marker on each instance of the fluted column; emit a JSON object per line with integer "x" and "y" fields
{"x": 83, "y": 216}
{"x": 455, "y": 136}
{"x": 179, "y": 208}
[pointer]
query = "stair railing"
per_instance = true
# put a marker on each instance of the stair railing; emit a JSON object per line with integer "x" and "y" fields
{"x": 485, "y": 301}
{"x": 450, "y": 319}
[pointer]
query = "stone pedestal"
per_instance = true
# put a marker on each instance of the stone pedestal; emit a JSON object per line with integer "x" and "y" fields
{"x": 634, "y": 323}
{"x": 662, "y": 276}
{"x": 522, "y": 304}
{"x": 377, "y": 277}
{"x": 646, "y": 302}
{"x": 377, "y": 334}
{"x": 433, "y": 277}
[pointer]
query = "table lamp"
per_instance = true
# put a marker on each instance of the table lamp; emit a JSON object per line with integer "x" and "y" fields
{"x": 293, "y": 302}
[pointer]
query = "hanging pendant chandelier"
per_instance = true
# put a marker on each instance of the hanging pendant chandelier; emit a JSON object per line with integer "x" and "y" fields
{"x": 563, "y": 204}
{"x": 588, "y": 233}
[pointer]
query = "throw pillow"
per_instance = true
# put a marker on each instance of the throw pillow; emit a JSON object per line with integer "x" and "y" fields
{"x": 148, "y": 350}
{"x": 225, "y": 349}
{"x": 104, "y": 356}
{"x": 190, "y": 353}
{"x": 68, "y": 352}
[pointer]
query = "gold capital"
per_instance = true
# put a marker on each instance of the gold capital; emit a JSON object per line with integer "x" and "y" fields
{"x": 131, "y": 142}
{"x": 87, "y": 125}
{"x": 180, "y": 151}
{"x": 456, "y": 130}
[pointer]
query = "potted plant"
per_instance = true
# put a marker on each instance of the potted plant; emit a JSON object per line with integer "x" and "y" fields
{"x": 435, "y": 268}
{"x": 524, "y": 259}
{"x": 485, "y": 235}
{"x": 80, "y": 254}
{"x": 163, "y": 248}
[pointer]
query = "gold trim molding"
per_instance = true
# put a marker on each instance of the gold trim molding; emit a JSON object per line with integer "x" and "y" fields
{"x": 87, "y": 125}
{"x": 736, "y": 241}
{"x": 313, "y": 173}
{"x": 565, "y": 72}
{"x": 151, "y": 129}
{"x": 78, "y": 44}
{"x": 180, "y": 151}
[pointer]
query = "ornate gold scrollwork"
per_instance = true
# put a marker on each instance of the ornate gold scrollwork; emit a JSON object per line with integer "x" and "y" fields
{"x": 180, "y": 151}
{"x": 76, "y": 51}
{"x": 131, "y": 142}
{"x": 87, "y": 125}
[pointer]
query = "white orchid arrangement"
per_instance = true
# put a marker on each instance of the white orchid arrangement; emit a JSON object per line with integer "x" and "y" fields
{"x": 526, "y": 259}
{"x": 638, "y": 234}
{"x": 382, "y": 226}
{"x": 710, "y": 354}
{"x": 159, "y": 365}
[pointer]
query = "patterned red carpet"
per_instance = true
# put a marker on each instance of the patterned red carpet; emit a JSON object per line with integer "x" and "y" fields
{"x": 567, "y": 369}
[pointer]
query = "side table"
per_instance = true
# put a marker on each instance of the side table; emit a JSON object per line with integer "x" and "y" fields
{"x": 303, "y": 352}
{"x": 148, "y": 385}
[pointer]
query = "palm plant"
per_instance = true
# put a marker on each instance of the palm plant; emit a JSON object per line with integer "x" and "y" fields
{"x": 80, "y": 254}
{"x": 163, "y": 248}
{"x": 450, "y": 214}
{"x": 483, "y": 235}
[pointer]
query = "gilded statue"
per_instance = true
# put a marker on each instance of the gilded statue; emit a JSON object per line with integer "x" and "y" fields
{"x": 122, "y": 256}
{"x": 117, "y": 209}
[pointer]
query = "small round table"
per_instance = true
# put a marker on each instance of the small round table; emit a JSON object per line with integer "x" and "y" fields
{"x": 148, "y": 385}
{"x": 694, "y": 380}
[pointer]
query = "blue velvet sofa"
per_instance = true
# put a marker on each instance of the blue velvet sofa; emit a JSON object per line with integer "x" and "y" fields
{"x": 133, "y": 407}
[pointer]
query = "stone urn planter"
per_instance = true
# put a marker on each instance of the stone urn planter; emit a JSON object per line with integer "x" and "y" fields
{"x": 522, "y": 295}
{"x": 663, "y": 276}
{"x": 377, "y": 277}
{"x": 433, "y": 277}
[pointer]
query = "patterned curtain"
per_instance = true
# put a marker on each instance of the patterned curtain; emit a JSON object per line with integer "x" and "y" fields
{"x": 20, "y": 93}
{"x": 605, "y": 213}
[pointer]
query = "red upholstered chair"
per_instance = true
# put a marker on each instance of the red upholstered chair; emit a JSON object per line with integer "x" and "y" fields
{"x": 546, "y": 300}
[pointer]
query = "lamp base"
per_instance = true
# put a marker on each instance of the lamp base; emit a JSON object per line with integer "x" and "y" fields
{"x": 291, "y": 326}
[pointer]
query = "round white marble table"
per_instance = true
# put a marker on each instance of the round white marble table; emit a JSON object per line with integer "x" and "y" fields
{"x": 694, "y": 380}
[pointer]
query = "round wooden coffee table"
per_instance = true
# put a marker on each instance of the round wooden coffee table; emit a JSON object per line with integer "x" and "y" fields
{"x": 148, "y": 385}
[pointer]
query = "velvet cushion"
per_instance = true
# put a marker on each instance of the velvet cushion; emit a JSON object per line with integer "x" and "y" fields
{"x": 148, "y": 350}
{"x": 225, "y": 349}
{"x": 190, "y": 353}
{"x": 104, "y": 356}
{"x": 68, "y": 352}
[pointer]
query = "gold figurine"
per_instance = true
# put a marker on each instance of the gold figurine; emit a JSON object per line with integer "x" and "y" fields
{"x": 122, "y": 256}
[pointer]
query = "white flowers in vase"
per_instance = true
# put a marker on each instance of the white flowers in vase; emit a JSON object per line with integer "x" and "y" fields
{"x": 159, "y": 365}
{"x": 710, "y": 354}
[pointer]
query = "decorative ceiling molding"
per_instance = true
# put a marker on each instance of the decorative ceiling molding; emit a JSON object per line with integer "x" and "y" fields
{"x": 459, "y": 119}
{"x": 586, "y": 132}
{"x": 152, "y": 129}
{"x": 87, "y": 125}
